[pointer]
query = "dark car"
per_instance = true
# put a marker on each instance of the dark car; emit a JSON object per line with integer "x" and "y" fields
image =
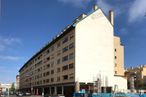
{"x": 19, "y": 94}
{"x": 27, "y": 94}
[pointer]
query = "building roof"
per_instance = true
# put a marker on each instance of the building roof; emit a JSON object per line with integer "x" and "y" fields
{"x": 65, "y": 31}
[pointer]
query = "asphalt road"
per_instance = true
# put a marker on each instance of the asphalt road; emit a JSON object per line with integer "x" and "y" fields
{"x": 22, "y": 96}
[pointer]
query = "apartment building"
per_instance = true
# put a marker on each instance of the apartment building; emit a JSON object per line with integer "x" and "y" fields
{"x": 139, "y": 77}
{"x": 82, "y": 51}
{"x": 17, "y": 82}
{"x": 52, "y": 66}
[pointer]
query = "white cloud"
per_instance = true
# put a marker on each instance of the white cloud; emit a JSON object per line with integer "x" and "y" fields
{"x": 77, "y": 3}
{"x": 6, "y": 42}
{"x": 137, "y": 10}
{"x": 10, "y": 58}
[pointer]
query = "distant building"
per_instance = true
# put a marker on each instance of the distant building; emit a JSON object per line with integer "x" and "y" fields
{"x": 84, "y": 52}
{"x": 0, "y": 89}
{"x": 5, "y": 87}
{"x": 17, "y": 82}
{"x": 139, "y": 75}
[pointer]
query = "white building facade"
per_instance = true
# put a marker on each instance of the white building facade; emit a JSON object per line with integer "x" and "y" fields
{"x": 94, "y": 51}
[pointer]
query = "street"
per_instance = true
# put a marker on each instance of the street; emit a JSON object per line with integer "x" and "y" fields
{"x": 23, "y": 96}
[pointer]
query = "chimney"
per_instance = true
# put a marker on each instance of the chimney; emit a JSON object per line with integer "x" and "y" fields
{"x": 111, "y": 17}
{"x": 95, "y": 7}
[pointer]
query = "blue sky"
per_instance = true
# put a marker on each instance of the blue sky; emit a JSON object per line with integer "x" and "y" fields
{"x": 27, "y": 25}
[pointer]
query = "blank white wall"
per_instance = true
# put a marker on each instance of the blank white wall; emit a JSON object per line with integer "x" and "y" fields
{"x": 94, "y": 48}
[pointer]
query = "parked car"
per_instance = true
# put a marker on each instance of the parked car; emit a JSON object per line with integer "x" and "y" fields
{"x": 27, "y": 94}
{"x": 19, "y": 94}
{"x": 2, "y": 95}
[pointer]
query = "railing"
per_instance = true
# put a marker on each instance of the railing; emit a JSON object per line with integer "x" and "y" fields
{"x": 108, "y": 95}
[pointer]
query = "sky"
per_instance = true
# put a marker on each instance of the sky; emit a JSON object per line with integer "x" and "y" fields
{"x": 27, "y": 25}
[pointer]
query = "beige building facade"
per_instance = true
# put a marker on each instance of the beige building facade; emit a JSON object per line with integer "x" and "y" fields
{"x": 119, "y": 57}
{"x": 80, "y": 53}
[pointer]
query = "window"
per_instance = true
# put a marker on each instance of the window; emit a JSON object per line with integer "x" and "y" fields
{"x": 39, "y": 63}
{"x": 65, "y": 40}
{"x": 65, "y": 58}
{"x": 48, "y": 65}
{"x": 41, "y": 82}
{"x": 71, "y": 36}
{"x": 48, "y": 58}
{"x": 58, "y": 44}
{"x": 115, "y": 57}
{"x": 48, "y": 51}
{"x": 58, "y": 79}
{"x": 39, "y": 57}
{"x": 71, "y": 56}
{"x": 58, "y": 52}
{"x": 58, "y": 61}
{"x": 71, "y": 66}
{"x": 47, "y": 73}
{"x": 44, "y": 74}
{"x": 65, "y": 68}
{"x": 39, "y": 70}
{"x": 52, "y": 56}
{"x": 65, "y": 77}
{"x": 71, "y": 76}
{"x": 71, "y": 45}
{"x": 47, "y": 81}
{"x": 35, "y": 59}
{"x": 115, "y": 72}
{"x": 65, "y": 49}
{"x": 58, "y": 70}
{"x": 37, "y": 82}
{"x": 52, "y": 79}
{"x": 52, "y": 71}
{"x": 115, "y": 49}
{"x": 44, "y": 81}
